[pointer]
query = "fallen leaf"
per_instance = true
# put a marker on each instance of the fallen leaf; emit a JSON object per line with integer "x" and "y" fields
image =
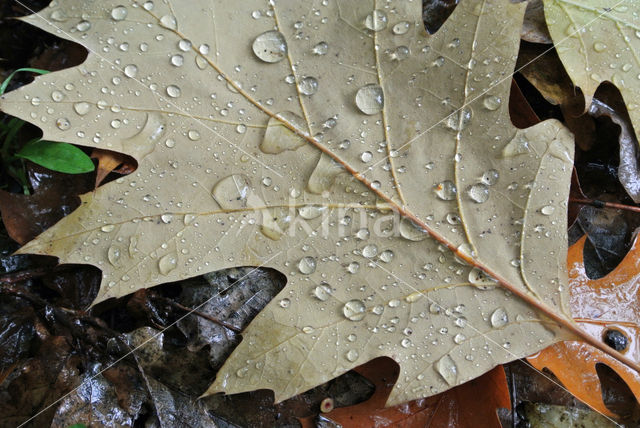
{"x": 600, "y": 305}
{"x": 458, "y": 407}
{"x": 54, "y": 196}
{"x": 109, "y": 161}
{"x": 373, "y": 164}
{"x": 597, "y": 42}
{"x": 550, "y": 416}
{"x": 534, "y": 28}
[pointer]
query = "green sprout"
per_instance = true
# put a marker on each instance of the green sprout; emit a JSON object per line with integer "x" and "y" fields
{"x": 61, "y": 157}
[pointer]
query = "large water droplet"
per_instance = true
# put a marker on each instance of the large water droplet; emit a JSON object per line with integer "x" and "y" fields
{"x": 173, "y": 91}
{"x": 232, "y": 192}
{"x": 547, "y": 210}
{"x": 499, "y": 318}
{"x": 481, "y": 280}
{"x": 169, "y": 21}
{"x": 307, "y": 265}
{"x": 320, "y": 49}
{"x": 491, "y": 102}
{"x": 490, "y": 177}
{"x": 270, "y": 46}
{"x": 401, "y": 28}
{"x": 167, "y": 263}
{"x": 370, "y": 99}
{"x": 411, "y": 231}
{"x": 376, "y": 20}
{"x": 309, "y": 212}
{"x": 119, "y": 13}
{"x": 278, "y": 138}
{"x": 370, "y": 251}
{"x": 354, "y": 310}
{"x": 308, "y": 85}
{"x": 445, "y": 190}
{"x": 460, "y": 119}
{"x": 322, "y": 292}
{"x": 130, "y": 70}
{"x": 113, "y": 255}
{"x": 81, "y": 108}
{"x": 447, "y": 368}
{"x": 351, "y": 355}
{"x": 479, "y": 193}
{"x": 519, "y": 145}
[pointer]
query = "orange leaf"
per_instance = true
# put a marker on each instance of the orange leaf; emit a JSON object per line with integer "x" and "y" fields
{"x": 598, "y": 305}
{"x": 109, "y": 161}
{"x": 460, "y": 407}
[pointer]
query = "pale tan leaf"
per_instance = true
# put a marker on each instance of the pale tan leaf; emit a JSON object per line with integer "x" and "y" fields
{"x": 281, "y": 163}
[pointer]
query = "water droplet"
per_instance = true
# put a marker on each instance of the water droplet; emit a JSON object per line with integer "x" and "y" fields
{"x": 394, "y": 303}
{"x": 445, "y": 190}
{"x": 242, "y": 372}
{"x": 362, "y": 234}
{"x": 414, "y": 297}
{"x": 411, "y": 231}
{"x": 499, "y": 318}
{"x": 547, "y": 210}
{"x": 63, "y": 123}
{"x": 599, "y": 46}
{"x": 284, "y": 303}
{"x": 193, "y": 135}
{"x": 58, "y": 15}
{"x": 184, "y": 45}
{"x": 460, "y": 119}
{"x": 241, "y": 128}
{"x": 81, "y": 108}
{"x": 366, "y": 156}
{"x": 519, "y": 145}
{"x": 354, "y": 310}
{"x": 270, "y": 46}
{"x": 490, "y": 177}
{"x": 405, "y": 343}
{"x": 322, "y": 292}
{"x": 491, "y": 102}
{"x": 479, "y": 193}
{"x": 278, "y": 137}
{"x": 351, "y": 355}
{"x": 171, "y": 143}
{"x": 131, "y": 71}
{"x": 107, "y": 228}
{"x": 57, "y": 96}
{"x": 232, "y": 192}
{"x": 177, "y": 60}
{"x": 481, "y": 280}
{"x": 370, "y": 99}
{"x": 370, "y": 251}
{"x": 169, "y": 21}
{"x": 401, "y": 28}
{"x": 307, "y": 265}
{"x": 386, "y": 256}
{"x": 308, "y": 85}
{"x": 166, "y": 218}
{"x": 459, "y": 338}
{"x": 173, "y": 91}
{"x": 308, "y": 329}
{"x": 113, "y": 255}
{"x": 83, "y": 26}
{"x": 353, "y": 267}
{"x": 309, "y": 212}
{"x": 376, "y": 20}
{"x": 119, "y": 13}
{"x": 320, "y": 49}
{"x": 447, "y": 368}
{"x": 167, "y": 263}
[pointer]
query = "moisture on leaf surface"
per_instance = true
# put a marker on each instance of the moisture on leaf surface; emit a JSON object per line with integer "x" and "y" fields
{"x": 374, "y": 165}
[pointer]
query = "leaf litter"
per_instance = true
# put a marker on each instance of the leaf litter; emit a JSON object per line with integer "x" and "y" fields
{"x": 307, "y": 264}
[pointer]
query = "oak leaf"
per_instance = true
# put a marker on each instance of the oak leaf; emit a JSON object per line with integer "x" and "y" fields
{"x": 336, "y": 141}
{"x": 610, "y": 303}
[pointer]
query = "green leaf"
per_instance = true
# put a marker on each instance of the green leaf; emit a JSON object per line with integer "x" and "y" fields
{"x": 3, "y": 86}
{"x": 61, "y": 157}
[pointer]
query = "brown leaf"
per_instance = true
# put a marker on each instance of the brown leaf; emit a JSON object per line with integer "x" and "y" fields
{"x": 109, "y": 161}
{"x": 458, "y": 407}
{"x": 608, "y": 303}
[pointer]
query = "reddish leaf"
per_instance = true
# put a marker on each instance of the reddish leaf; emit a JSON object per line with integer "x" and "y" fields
{"x": 611, "y": 302}
{"x": 55, "y": 196}
{"x": 458, "y": 407}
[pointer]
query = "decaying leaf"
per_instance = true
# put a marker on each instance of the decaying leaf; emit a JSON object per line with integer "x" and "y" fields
{"x": 598, "y": 41}
{"x": 458, "y": 407}
{"x": 337, "y": 142}
{"x": 605, "y": 307}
